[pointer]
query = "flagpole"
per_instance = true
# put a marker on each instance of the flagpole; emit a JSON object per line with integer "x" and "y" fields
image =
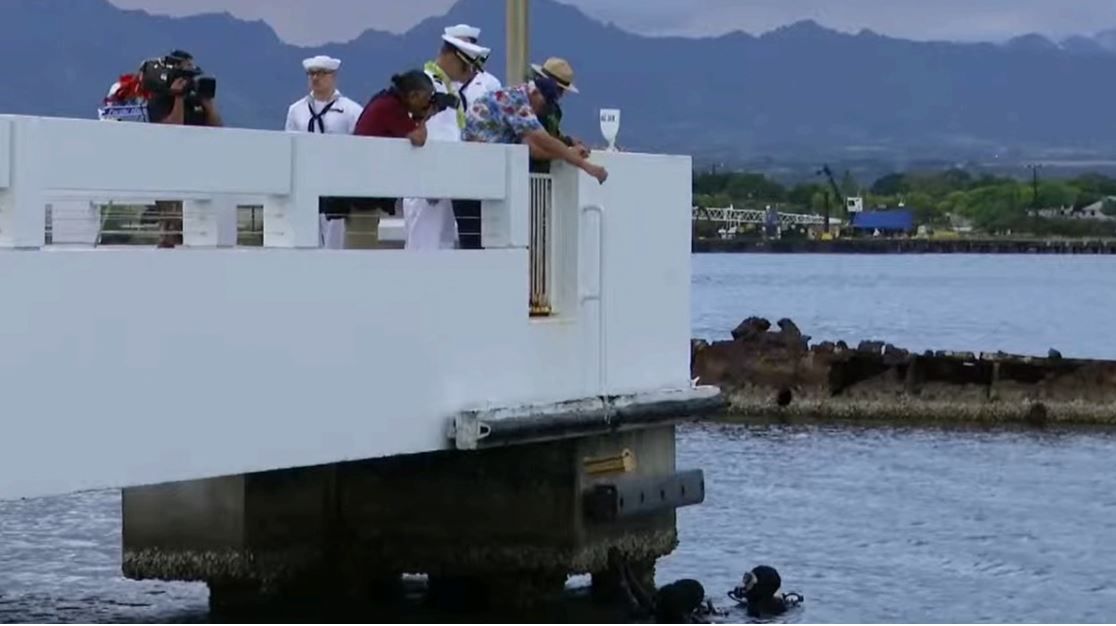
{"x": 518, "y": 45}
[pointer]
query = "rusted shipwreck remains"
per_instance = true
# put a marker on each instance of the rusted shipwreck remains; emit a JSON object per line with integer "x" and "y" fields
{"x": 766, "y": 372}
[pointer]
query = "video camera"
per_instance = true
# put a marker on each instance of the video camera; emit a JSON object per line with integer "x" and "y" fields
{"x": 441, "y": 101}
{"x": 159, "y": 74}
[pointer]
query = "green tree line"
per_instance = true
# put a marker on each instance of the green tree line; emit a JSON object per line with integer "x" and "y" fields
{"x": 990, "y": 203}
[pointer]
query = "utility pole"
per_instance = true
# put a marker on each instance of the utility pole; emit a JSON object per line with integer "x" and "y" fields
{"x": 1035, "y": 186}
{"x": 837, "y": 196}
{"x": 518, "y": 45}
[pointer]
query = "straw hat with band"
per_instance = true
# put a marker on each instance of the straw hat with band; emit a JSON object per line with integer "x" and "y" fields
{"x": 559, "y": 71}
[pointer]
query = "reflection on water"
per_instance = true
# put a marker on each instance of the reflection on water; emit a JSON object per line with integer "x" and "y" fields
{"x": 885, "y": 525}
{"x": 870, "y": 524}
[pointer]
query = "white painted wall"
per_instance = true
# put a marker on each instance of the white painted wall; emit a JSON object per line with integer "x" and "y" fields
{"x": 646, "y": 283}
{"x": 135, "y": 366}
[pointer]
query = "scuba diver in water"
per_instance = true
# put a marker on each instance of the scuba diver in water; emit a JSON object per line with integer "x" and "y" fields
{"x": 759, "y": 593}
{"x": 681, "y": 602}
{"x": 684, "y": 602}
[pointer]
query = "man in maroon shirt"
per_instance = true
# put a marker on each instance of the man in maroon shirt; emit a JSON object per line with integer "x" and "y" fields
{"x": 398, "y": 112}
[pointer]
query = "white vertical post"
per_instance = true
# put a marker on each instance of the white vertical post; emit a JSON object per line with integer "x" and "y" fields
{"x": 22, "y": 181}
{"x": 506, "y": 223}
{"x": 209, "y": 223}
{"x": 291, "y": 220}
{"x": 567, "y": 221}
{"x": 74, "y": 222}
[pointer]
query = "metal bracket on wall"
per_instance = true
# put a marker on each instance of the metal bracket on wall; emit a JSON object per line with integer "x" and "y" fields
{"x": 640, "y": 495}
{"x": 467, "y": 430}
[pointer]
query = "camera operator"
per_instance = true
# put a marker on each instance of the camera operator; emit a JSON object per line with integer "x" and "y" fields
{"x": 178, "y": 95}
{"x": 188, "y": 99}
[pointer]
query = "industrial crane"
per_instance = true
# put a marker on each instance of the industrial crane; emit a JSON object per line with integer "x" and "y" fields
{"x": 836, "y": 193}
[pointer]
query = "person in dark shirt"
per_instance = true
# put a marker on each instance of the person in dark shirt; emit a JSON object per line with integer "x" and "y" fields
{"x": 551, "y": 118}
{"x": 398, "y": 112}
{"x": 179, "y": 107}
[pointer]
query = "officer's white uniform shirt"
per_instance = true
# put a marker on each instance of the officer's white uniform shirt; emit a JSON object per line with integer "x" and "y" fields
{"x": 443, "y": 126}
{"x": 340, "y": 118}
{"x": 481, "y": 84}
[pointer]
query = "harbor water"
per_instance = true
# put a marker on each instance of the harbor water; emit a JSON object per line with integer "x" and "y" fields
{"x": 880, "y": 524}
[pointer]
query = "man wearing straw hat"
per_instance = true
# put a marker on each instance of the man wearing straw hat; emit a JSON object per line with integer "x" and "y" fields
{"x": 551, "y": 119}
{"x": 510, "y": 115}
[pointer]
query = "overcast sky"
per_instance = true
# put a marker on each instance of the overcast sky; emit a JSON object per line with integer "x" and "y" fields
{"x": 312, "y": 22}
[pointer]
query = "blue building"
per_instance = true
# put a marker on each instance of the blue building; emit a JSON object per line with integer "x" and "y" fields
{"x": 892, "y": 222}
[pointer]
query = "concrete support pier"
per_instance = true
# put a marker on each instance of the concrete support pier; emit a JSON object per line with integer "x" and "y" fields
{"x": 525, "y": 515}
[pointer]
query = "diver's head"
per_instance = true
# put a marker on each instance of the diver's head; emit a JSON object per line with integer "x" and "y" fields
{"x": 676, "y": 602}
{"x": 762, "y": 583}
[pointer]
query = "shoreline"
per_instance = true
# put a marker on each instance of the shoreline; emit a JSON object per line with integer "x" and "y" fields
{"x": 906, "y": 246}
{"x": 767, "y": 416}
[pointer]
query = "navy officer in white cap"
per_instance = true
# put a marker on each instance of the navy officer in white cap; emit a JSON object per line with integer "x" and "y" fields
{"x": 482, "y": 81}
{"x": 324, "y": 110}
{"x": 468, "y": 212}
{"x": 430, "y": 223}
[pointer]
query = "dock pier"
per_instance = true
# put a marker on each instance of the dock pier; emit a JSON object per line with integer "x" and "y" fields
{"x": 304, "y": 422}
{"x": 514, "y": 521}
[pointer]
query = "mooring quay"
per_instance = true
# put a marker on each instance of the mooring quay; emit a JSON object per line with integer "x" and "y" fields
{"x": 286, "y": 413}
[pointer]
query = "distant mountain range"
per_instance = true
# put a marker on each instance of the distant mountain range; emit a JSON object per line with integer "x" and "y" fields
{"x": 802, "y": 91}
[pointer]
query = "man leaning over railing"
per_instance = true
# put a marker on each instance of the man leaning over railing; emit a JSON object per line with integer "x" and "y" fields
{"x": 510, "y": 115}
{"x": 551, "y": 117}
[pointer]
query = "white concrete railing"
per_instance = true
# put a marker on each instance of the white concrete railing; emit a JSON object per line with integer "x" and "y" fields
{"x": 44, "y": 160}
{"x": 349, "y": 355}
{"x": 91, "y": 224}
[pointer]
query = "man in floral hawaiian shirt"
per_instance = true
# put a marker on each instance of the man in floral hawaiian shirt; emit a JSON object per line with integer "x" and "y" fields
{"x": 510, "y": 115}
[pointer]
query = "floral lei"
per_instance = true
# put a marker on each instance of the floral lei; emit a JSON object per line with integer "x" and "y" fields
{"x": 130, "y": 89}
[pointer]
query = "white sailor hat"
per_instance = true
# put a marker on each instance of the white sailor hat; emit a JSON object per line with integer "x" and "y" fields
{"x": 471, "y": 51}
{"x": 463, "y": 31}
{"x": 321, "y": 62}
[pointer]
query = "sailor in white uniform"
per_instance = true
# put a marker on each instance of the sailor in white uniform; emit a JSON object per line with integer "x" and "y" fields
{"x": 324, "y": 110}
{"x": 430, "y": 223}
